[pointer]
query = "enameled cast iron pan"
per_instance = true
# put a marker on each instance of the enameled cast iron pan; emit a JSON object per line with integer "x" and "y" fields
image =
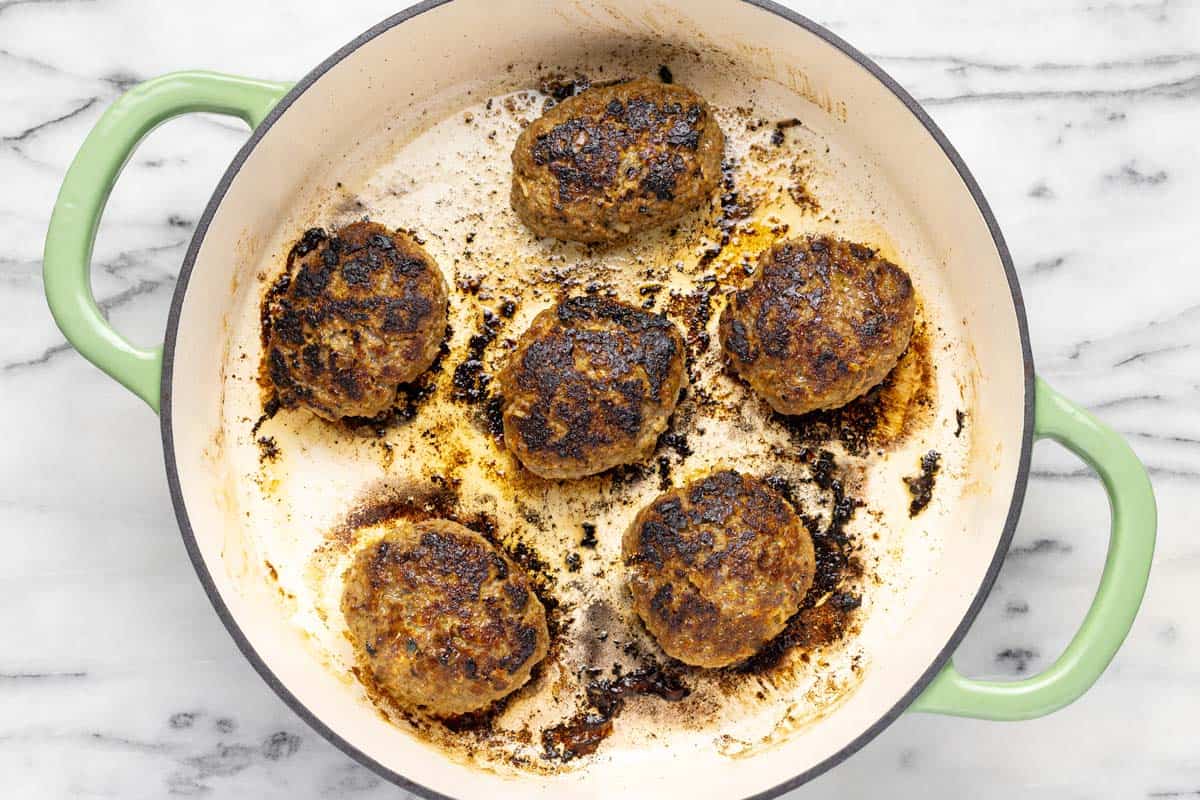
{"x": 417, "y": 81}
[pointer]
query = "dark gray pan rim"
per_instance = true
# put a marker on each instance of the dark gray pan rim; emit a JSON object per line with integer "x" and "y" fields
{"x": 260, "y": 665}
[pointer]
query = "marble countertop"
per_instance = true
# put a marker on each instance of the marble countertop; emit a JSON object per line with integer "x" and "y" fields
{"x": 1078, "y": 117}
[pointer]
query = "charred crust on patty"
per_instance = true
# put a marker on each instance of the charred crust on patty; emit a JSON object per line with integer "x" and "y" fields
{"x": 355, "y": 314}
{"x": 717, "y": 567}
{"x": 615, "y": 160}
{"x": 445, "y": 621}
{"x": 823, "y": 321}
{"x": 590, "y": 386}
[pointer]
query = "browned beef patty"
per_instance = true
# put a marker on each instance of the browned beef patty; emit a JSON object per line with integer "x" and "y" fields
{"x": 444, "y": 621}
{"x": 615, "y": 160}
{"x": 717, "y": 568}
{"x": 589, "y": 386}
{"x": 823, "y": 322}
{"x": 355, "y": 314}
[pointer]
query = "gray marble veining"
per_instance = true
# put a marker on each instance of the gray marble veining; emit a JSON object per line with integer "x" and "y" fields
{"x": 1079, "y": 119}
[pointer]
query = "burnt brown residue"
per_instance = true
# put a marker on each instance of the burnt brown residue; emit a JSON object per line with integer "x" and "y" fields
{"x": 811, "y": 627}
{"x": 412, "y": 502}
{"x": 677, "y": 442}
{"x": 664, "y": 74}
{"x": 736, "y": 207}
{"x": 960, "y": 418}
{"x": 268, "y": 449}
{"x": 582, "y": 734}
{"x": 493, "y": 416}
{"x": 579, "y": 736}
{"x": 270, "y": 409}
{"x": 798, "y": 189}
{"x": 479, "y": 723}
{"x": 560, "y": 87}
{"x": 650, "y": 293}
{"x": 470, "y": 380}
{"x": 778, "y": 135}
{"x": 920, "y": 486}
{"x": 884, "y": 416}
{"x": 629, "y": 474}
{"x": 589, "y": 536}
{"x": 694, "y": 309}
{"x": 469, "y": 284}
{"x": 842, "y": 507}
{"x": 827, "y": 613}
{"x": 664, "y": 474}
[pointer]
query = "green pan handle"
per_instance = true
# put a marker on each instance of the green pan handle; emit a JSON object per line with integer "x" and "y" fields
{"x": 85, "y": 190}
{"x": 1126, "y": 570}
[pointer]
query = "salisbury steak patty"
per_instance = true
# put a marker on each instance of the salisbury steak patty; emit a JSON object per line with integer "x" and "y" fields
{"x": 444, "y": 621}
{"x": 824, "y": 321}
{"x": 355, "y": 314}
{"x": 616, "y": 160}
{"x": 717, "y": 568}
{"x": 589, "y": 386}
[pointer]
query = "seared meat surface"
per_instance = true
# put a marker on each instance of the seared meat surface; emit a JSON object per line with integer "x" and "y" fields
{"x": 355, "y": 314}
{"x": 717, "y": 567}
{"x": 589, "y": 386}
{"x": 616, "y": 160}
{"x": 444, "y": 621}
{"x": 823, "y": 322}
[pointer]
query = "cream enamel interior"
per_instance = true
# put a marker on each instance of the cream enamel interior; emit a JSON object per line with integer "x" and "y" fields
{"x": 438, "y": 53}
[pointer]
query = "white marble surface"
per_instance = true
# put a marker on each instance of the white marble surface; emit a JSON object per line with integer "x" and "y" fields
{"x": 1078, "y": 117}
